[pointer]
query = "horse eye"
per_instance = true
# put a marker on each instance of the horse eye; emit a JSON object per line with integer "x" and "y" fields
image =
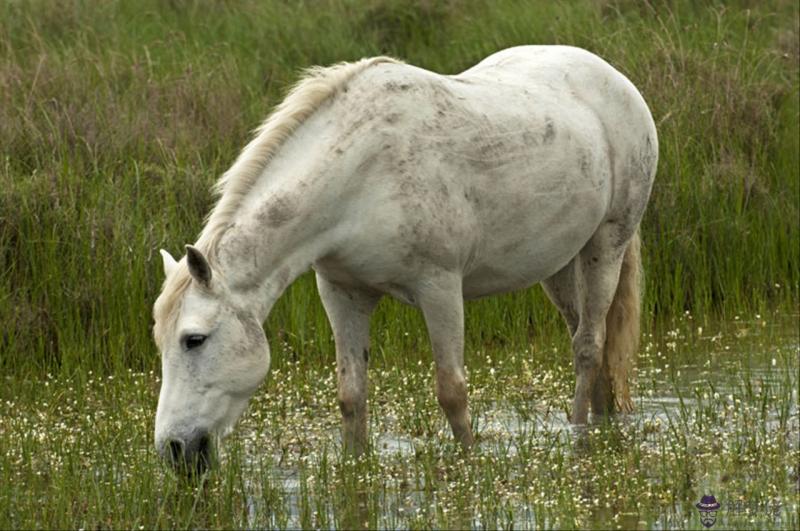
{"x": 194, "y": 341}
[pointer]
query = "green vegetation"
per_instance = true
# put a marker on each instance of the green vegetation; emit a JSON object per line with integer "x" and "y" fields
{"x": 76, "y": 451}
{"x": 115, "y": 119}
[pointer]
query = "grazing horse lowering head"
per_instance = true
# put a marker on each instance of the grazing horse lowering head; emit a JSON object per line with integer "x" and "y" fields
{"x": 214, "y": 355}
{"x": 535, "y": 165}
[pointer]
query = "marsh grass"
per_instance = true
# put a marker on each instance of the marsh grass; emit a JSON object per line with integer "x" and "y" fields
{"x": 115, "y": 119}
{"x": 717, "y": 413}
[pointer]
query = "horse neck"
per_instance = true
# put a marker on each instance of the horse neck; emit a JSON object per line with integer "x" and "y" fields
{"x": 287, "y": 221}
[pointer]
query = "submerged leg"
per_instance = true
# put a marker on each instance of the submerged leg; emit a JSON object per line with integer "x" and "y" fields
{"x": 349, "y": 311}
{"x": 442, "y": 304}
{"x": 596, "y": 275}
{"x": 562, "y": 290}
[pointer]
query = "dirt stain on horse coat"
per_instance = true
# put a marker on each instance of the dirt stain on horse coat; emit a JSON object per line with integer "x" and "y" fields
{"x": 278, "y": 211}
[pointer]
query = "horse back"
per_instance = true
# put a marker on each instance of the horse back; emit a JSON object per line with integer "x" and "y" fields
{"x": 503, "y": 171}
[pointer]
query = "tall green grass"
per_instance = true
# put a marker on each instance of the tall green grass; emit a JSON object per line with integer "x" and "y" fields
{"x": 116, "y": 117}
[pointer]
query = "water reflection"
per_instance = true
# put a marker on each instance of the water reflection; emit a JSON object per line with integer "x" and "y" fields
{"x": 678, "y": 386}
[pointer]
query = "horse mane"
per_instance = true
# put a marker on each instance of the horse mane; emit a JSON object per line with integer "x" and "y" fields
{"x": 316, "y": 86}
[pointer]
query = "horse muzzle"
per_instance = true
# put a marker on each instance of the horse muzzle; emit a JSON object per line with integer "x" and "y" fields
{"x": 189, "y": 456}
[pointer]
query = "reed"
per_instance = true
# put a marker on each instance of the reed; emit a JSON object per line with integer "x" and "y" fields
{"x": 115, "y": 119}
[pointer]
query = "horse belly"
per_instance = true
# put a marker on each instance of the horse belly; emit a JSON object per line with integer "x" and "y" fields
{"x": 532, "y": 244}
{"x": 539, "y": 186}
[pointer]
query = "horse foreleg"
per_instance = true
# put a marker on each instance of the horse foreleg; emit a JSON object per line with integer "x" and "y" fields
{"x": 349, "y": 311}
{"x": 442, "y": 303}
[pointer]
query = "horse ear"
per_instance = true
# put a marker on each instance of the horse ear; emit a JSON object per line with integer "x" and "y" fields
{"x": 198, "y": 265}
{"x": 169, "y": 262}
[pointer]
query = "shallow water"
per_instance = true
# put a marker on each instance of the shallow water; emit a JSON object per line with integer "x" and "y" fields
{"x": 717, "y": 413}
{"x": 691, "y": 384}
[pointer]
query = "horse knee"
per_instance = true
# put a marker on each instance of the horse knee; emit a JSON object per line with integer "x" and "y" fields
{"x": 451, "y": 390}
{"x": 351, "y": 404}
{"x": 588, "y": 349}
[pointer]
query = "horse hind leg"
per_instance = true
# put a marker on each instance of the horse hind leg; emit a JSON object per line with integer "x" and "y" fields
{"x": 349, "y": 312}
{"x": 561, "y": 290}
{"x": 599, "y": 364}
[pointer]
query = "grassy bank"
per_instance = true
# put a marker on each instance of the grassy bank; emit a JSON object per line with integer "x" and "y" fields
{"x": 116, "y": 117}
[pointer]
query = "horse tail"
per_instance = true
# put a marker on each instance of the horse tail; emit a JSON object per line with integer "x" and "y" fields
{"x": 622, "y": 327}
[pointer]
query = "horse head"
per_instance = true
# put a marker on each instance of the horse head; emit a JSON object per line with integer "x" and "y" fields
{"x": 214, "y": 355}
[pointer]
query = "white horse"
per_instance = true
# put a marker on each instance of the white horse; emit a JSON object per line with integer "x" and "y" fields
{"x": 534, "y": 166}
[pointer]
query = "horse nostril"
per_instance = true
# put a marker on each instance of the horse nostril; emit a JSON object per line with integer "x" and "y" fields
{"x": 204, "y": 445}
{"x": 176, "y": 451}
{"x": 203, "y": 458}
